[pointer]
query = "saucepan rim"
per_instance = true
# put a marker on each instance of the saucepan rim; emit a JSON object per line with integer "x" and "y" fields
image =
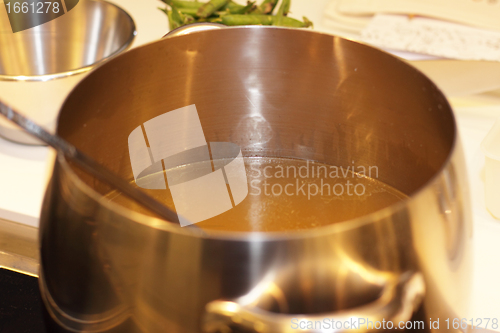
{"x": 48, "y": 77}
{"x": 273, "y": 235}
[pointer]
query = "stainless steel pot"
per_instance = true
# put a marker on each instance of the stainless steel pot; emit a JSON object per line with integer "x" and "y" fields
{"x": 274, "y": 92}
{"x": 73, "y": 44}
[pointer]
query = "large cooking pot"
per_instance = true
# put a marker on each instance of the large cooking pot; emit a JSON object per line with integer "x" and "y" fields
{"x": 274, "y": 93}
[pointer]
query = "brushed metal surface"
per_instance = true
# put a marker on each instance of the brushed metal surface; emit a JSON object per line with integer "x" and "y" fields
{"x": 274, "y": 92}
{"x": 87, "y": 163}
{"x": 73, "y": 43}
{"x": 19, "y": 249}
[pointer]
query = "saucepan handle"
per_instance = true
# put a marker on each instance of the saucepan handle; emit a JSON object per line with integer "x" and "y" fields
{"x": 399, "y": 298}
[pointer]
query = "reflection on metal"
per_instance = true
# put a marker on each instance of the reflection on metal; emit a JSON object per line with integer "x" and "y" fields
{"x": 19, "y": 263}
{"x": 74, "y": 43}
{"x": 397, "y": 301}
{"x": 192, "y": 54}
{"x": 195, "y": 27}
{"x": 87, "y": 323}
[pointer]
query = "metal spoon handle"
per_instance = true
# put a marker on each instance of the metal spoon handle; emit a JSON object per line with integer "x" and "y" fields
{"x": 87, "y": 163}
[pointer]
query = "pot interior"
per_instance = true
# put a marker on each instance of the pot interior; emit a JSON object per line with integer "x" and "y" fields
{"x": 275, "y": 93}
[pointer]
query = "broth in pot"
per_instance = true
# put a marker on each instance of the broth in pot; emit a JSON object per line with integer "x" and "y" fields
{"x": 290, "y": 194}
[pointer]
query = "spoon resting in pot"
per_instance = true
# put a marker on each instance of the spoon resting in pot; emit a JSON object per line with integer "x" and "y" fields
{"x": 89, "y": 164}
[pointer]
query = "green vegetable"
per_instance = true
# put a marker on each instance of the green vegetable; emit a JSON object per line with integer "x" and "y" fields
{"x": 215, "y": 20}
{"x": 239, "y": 9}
{"x": 284, "y": 8}
{"x": 264, "y": 20}
{"x": 282, "y": 13}
{"x": 307, "y": 22}
{"x": 183, "y": 4}
{"x": 171, "y": 22}
{"x": 267, "y": 6}
{"x": 210, "y": 7}
{"x": 189, "y": 11}
{"x": 186, "y": 4}
{"x": 230, "y": 6}
{"x": 177, "y": 19}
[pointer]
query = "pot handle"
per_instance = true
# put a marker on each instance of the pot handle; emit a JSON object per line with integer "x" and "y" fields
{"x": 399, "y": 298}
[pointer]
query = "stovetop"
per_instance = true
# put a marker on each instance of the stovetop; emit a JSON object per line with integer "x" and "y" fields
{"x": 20, "y": 304}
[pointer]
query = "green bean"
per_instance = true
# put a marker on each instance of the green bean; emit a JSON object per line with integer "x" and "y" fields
{"x": 284, "y": 8}
{"x": 180, "y": 18}
{"x": 185, "y": 7}
{"x": 263, "y": 20}
{"x": 215, "y": 20}
{"x": 231, "y": 5}
{"x": 177, "y": 16}
{"x": 211, "y": 7}
{"x": 247, "y": 19}
{"x": 242, "y": 9}
{"x": 189, "y": 11}
{"x": 307, "y": 22}
{"x": 267, "y": 6}
{"x": 186, "y": 4}
{"x": 230, "y": 13}
{"x": 173, "y": 24}
{"x": 282, "y": 12}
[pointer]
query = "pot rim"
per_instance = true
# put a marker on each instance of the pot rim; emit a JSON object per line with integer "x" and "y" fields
{"x": 272, "y": 235}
